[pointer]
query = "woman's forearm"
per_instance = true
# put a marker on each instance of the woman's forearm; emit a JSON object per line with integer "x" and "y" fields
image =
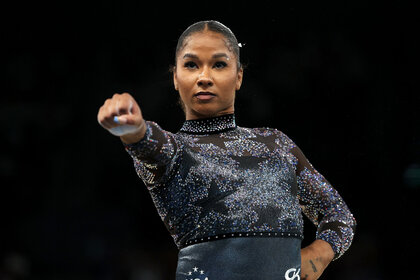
{"x": 315, "y": 258}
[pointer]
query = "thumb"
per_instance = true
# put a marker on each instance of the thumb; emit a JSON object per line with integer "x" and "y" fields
{"x": 128, "y": 125}
{"x": 129, "y": 119}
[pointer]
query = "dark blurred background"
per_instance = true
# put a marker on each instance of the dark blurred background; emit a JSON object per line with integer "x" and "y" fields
{"x": 339, "y": 79}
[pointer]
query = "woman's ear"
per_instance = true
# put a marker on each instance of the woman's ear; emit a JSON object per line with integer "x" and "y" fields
{"x": 239, "y": 78}
{"x": 175, "y": 78}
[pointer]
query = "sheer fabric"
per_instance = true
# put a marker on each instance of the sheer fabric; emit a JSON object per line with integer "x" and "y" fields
{"x": 213, "y": 180}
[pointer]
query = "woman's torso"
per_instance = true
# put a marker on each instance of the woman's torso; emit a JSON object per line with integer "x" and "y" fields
{"x": 239, "y": 181}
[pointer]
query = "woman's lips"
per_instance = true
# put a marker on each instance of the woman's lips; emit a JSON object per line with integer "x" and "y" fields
{"x": 204, "y": 95}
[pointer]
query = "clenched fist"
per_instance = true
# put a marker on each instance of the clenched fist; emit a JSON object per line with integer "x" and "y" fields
{"x": 121, "y": 116}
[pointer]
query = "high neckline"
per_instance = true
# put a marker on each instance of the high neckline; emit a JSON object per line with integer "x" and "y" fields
{"x": 209, "y": 125}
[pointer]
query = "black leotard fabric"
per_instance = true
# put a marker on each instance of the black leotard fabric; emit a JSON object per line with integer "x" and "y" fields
{"x": 241, "y": 258}
{"x": 213, "y": 180}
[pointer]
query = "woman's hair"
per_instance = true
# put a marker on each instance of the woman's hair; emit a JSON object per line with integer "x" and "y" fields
{"x": 214, "y": 26}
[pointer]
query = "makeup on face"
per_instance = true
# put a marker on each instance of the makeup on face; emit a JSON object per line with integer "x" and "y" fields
{"x": 206, "y": 75}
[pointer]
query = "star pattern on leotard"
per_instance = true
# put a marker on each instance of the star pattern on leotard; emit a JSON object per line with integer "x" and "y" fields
{"x": 197, "y": 274}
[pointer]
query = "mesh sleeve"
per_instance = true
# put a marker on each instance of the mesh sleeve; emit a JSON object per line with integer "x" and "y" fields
{"x": 155, "y": 155}
{"x": 323, "y": 205}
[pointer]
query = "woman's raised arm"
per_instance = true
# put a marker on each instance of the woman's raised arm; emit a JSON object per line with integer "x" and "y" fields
{"x": 154, "y": 150}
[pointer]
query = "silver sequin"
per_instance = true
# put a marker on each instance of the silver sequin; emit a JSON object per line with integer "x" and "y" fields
{"x": 215, "y": 180}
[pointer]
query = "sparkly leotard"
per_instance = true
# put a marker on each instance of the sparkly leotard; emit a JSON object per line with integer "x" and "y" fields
{"x": 216, "y": 183}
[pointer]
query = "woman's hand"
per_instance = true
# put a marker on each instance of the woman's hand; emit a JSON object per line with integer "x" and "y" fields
{"x": 121, "y": 115}
{"x": 315, "y": 258}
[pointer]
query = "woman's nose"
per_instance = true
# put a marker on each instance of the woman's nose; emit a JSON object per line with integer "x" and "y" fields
{"x": 204, "y": 79}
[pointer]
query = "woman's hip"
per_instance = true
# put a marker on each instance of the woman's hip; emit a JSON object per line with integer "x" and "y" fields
{"x": 241, "y": 258}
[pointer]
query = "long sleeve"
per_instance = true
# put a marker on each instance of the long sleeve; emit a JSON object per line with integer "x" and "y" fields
{"x": 155, "y": 155}
{"x": 209, "y": 181}
{"x": 322, "y": 204}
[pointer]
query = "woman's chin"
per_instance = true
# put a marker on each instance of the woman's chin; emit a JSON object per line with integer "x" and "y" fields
{"x": 205, "y": 112}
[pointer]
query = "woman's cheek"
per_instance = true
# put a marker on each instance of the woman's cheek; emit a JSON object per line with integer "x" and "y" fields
{"x": 185, "y": 88}
{"x": 229, "y": 88}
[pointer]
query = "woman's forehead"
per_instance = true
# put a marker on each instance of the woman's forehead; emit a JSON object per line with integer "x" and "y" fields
{"x": 205, "y": 42}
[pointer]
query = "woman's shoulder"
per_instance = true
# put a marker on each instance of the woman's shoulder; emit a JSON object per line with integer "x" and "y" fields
{"x": 265, "y": 131}
{"x": 276, "y": 134}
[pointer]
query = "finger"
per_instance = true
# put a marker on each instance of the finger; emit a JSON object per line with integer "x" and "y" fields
{"x": 103, "y": 119}
{"x": 111, "y": 110}
{"x": 124, "y": 105}
{"x": 106, "y": 115}
{"x": 135, "y": 109}
{"x": 118, "y": 106}
{"x": 130, "y": 108}
{"x": 107, "y": 123}
{"x": 130, "y": 104}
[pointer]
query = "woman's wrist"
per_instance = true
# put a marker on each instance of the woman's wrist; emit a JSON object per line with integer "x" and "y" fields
{"x": 322, "y": 251}
{"x": 315, "y": 258}
{"x": 135, "y": 137}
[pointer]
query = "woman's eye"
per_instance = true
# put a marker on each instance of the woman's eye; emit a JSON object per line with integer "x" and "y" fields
{"x": 190, "y": 65}
{"x": 220, "y": 64}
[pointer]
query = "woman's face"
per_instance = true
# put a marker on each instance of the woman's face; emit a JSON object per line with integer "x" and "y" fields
{"x": 206, "y": 75}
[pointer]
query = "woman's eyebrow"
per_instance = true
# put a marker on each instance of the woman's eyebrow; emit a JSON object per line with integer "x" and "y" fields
{"x": 216, "y": 55}
{"x": 219, "y": 55}
{"x": 190, "y": 55}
